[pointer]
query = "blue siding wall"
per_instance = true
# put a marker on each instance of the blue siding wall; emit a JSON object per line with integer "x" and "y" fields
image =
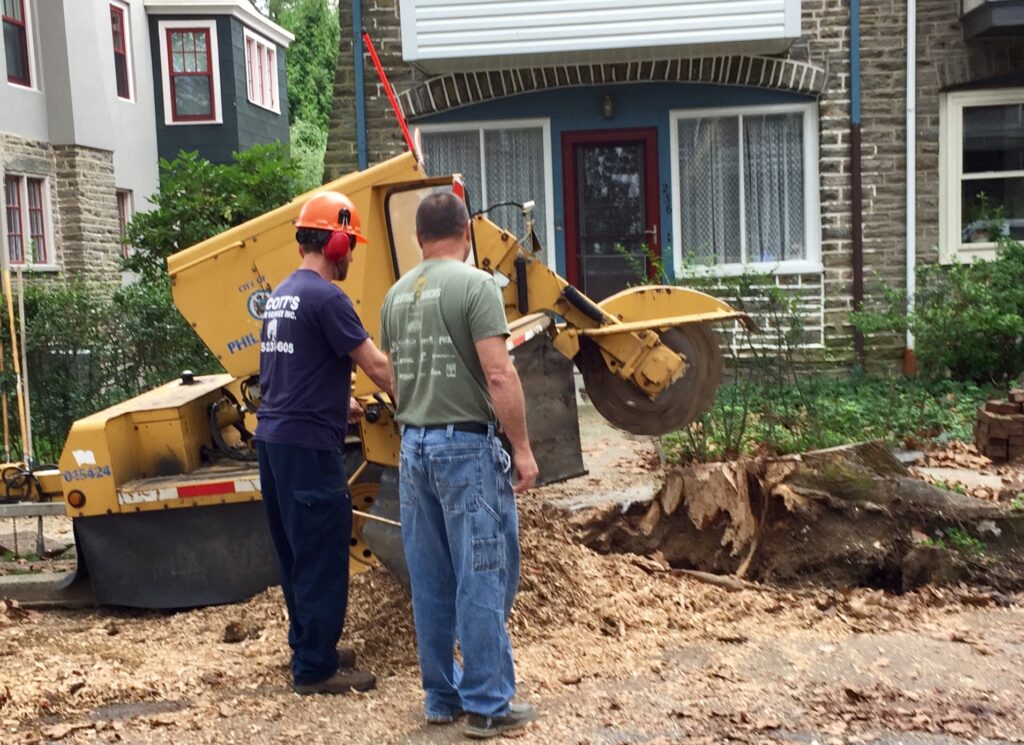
{"x": 636, "y": 105}
{"x": 215, "y": 142}
{"x": 255, "y": 124}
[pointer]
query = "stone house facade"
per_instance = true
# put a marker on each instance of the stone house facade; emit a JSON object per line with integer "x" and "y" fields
{"x": 81, "y": 87}
{"x": 726, "y": 140}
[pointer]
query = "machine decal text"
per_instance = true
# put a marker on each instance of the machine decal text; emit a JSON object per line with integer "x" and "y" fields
{"x": 81, "y": 474}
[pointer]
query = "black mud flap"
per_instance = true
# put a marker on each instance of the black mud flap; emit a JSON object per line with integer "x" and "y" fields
{"x": 386, "y": 540}
{"x": 181, "y": 558}
{"x": 552, "y": 418}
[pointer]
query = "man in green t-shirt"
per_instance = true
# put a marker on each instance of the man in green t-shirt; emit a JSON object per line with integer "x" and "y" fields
{"x": 443, "y": 326}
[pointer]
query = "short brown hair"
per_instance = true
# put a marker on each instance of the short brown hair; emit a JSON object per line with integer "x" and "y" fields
{"x": 441, "y": 215}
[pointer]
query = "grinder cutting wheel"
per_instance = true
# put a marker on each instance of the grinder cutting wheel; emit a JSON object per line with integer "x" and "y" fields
{"x": 626, "y": 406}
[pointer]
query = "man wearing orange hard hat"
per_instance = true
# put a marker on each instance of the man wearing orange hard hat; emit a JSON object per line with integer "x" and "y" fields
{"x": 311, "y": 336}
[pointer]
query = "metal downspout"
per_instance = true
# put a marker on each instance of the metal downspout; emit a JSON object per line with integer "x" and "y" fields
{"x": 856, "y": 189}
{"x": 909, "y": 360}
{"x": 357, "y": 53}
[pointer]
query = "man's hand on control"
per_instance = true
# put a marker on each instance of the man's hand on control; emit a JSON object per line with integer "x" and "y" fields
{"x": 527, "y": 469}
{"x": 355, "y": 411}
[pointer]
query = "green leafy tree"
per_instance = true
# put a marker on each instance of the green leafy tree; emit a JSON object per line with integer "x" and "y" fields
{"x": 198, "y": 199}
{"x": 123, "y": 343}
{"x": 308, "y": 144}
{"x": 311, "y": 58}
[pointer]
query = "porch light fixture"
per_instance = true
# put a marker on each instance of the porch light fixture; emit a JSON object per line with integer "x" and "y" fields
{"x": 608, "y": 106}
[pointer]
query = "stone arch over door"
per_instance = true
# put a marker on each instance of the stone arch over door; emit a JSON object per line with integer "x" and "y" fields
{"x": 459, "y": 89}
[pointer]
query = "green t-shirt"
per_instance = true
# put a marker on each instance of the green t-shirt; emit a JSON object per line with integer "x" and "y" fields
{"x": 429, "y": 322}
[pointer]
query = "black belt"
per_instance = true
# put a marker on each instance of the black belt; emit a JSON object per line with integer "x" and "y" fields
{"x": 476, "y": 427}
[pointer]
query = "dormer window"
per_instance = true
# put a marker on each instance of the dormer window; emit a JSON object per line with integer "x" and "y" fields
{"x": 190, "y": 76}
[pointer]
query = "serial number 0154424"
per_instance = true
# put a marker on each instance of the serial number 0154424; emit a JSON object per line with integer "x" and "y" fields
{"x": 81, "y": 474}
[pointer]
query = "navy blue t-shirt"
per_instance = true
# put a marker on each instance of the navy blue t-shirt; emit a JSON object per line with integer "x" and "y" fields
{"x": 309, "y": 329}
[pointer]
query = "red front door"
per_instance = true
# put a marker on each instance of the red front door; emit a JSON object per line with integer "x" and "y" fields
{"x": 610, "y": 179}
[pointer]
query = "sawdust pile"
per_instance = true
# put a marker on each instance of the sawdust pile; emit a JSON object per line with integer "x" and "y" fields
{"x": 221, "y": 674}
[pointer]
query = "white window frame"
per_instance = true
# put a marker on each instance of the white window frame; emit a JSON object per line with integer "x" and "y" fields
{"x": 811, "y": 263}
{"x": 30, "y": 33}
{"x": 951, "y": 142}
{"x": 165, "y": 74}
{"x": 274, "y": 90}
{"x": 129, "y": 51}
{"x": 28, "y": 264}
{"x": 483, "y": 126}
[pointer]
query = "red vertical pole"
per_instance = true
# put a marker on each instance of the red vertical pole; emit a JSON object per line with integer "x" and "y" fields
{"x": 390, "y": 91}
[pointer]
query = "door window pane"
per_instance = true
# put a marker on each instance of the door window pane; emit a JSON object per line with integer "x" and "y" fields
{"x": 710, "y": 189}
{"x": 611, "y": 209}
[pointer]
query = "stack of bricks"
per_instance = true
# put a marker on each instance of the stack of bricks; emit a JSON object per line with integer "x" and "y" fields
{"x": 999, "y": 428}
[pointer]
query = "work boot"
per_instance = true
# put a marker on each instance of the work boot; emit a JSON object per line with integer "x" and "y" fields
{"x": 342, "y": 681}
{"x": 480, "y": 727}
{"x": 346, "y": 658}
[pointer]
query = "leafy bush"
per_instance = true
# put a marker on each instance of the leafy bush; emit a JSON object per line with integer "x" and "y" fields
{"x": 968, "y": 319}
{"x": 198, "y": 199}
{"x": 89, "y": 348}
{"x": 308, "y": 144}
{"x": 819, "y": 412}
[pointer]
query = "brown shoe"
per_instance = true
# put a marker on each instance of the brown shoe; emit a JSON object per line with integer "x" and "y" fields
{"x": 342, "y": 681}
{"x": 346, "y": 658}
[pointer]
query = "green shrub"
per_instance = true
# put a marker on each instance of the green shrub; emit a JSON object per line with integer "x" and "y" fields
{"x": 88, "y": 348}
{"x": 820, "y": 412}
{"x": 198, "y": 199}
{"x": 308, "y": 145}
{"x": 968, "y": 319}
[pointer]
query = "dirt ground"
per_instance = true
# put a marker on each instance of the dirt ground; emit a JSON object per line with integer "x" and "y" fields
{"x": 611, "y": 649}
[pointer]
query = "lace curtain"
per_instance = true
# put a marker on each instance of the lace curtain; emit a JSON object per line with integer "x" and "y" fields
{"x": 773, "y": 193}
{"x": 514, "y": 167}
{"x": 773, "y": 160}
{"x": 710, "y": 189}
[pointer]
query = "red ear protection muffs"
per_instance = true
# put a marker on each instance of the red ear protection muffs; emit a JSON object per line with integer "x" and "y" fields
{"x": 338, "y": 246}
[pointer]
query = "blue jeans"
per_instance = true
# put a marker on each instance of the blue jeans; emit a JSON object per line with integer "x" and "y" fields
{"x": 461, "y": 534}
{"x": 309, "y": 513}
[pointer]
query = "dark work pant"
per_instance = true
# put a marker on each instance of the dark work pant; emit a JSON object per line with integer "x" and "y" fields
{"x": 309, "y": 512}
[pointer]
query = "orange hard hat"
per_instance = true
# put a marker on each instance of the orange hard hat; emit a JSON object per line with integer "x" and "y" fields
{"x": 329, "y": 210}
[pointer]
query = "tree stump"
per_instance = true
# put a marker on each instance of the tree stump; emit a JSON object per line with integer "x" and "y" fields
{"x": 842, "y": 517}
